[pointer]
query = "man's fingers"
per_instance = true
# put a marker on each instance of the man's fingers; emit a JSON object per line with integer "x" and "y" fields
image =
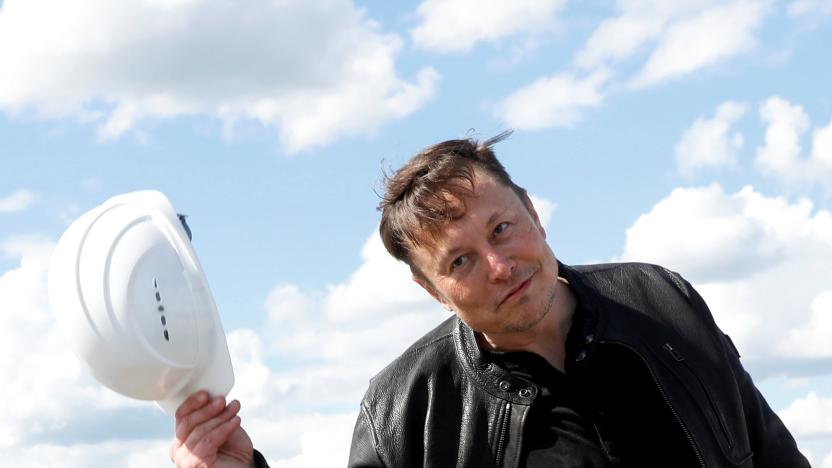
{"x": 202, "y": 430}
{"x": 210, "y": 443}
{"x": 202, "y": 442}
{"x": 205, "y": 451}
{"x": 187, "y": 423}
{"x": 193, "y": 402}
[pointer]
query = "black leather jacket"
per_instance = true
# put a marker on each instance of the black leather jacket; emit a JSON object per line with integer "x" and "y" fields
{"x": 442, "y": 403}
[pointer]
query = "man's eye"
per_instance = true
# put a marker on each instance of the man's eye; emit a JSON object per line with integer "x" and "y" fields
{"x": 500, "y": 228}
{"x": 459, "y": 261}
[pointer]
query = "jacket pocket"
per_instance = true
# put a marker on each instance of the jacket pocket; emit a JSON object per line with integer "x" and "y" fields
{"x": 711, "y": 405}
{"x": 697, "y": 388}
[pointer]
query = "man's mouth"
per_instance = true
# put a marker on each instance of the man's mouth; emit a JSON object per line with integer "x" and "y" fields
{"x": 516, "y": 292}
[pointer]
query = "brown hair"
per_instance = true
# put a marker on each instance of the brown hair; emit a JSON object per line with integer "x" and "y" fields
{"x": 427, "y": 191}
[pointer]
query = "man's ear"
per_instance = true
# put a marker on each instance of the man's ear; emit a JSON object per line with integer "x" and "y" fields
{"x": 425, "y": 284}
{"x": 530, "y": 208}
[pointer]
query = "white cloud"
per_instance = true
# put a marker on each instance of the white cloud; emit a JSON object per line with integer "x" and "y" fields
{"x": 713, "y": 35}
{"x": 321, "y": 440}
{"x": 636, "y": 24}
{"x": 314, "y": 70}
{"x": 809, "y": 419}
{"x": 348, "y": 302}
{"x": 555, "y": 101}
{"x": 27, "y": 341}
{"x": 709, "y": 233}
{"x": 544, "y": 209}
{"x": 680, "y": 37}
{"x": 814, "y": 337}
{"x": 458, "y": 25}
{"x": 281, "y": 419}
{"x": 786, "y": 123}
{"x": 761, "y": 263}
{"x": 811, "y": 415}
{"x": 288, "y": 303}
{"x": 251, "y": 375}
{"x": 822, "y": 147}
{"x": 128, "y": 454}
{"x": 18, "y": 200}
{"x": 707, "y": 142}
{"x": 618, "y": 38}
{"x": 45, "y": 382}
{"x": 780, "y": 156}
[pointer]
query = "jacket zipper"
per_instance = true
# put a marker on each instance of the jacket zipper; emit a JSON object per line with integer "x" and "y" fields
{"x": 680, "y": 359}
{"x": 667, "y": 401}
{"x": 498, "y": 462}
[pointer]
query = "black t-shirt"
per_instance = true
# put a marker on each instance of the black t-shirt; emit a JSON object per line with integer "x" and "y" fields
{"x": 559, "y": 430}
{"x": 608, "y": 414}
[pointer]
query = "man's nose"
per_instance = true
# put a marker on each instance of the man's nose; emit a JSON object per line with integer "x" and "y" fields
{"x": 500, "y": 266}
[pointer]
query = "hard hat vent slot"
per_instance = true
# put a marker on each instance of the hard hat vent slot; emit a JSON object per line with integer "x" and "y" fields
{"x": 161, "y": 309}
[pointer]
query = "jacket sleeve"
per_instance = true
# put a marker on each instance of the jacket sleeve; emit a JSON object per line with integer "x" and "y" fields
{"x": 771, "y": 442}
{"x": 259, "y": 460}
{"x": 363, "y": 453}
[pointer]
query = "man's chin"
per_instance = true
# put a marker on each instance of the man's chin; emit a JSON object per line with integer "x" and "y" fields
{"x": 526, "y": 325}
{"x": 530, "y": 322}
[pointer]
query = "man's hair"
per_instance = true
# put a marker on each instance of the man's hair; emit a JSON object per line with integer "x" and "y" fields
{"x": 430, "y": 190}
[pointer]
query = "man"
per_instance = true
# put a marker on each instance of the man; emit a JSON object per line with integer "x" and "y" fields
{"x": 542, "y": 364}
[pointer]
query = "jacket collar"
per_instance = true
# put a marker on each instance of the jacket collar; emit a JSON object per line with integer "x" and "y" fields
{"x": 588, "y": 321}
{"x": 487, "y": 375}
{"x": 581, "y": 342}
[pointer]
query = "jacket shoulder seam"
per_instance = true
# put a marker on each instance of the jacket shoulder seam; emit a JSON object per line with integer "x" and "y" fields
{"x": 425, "y": 345}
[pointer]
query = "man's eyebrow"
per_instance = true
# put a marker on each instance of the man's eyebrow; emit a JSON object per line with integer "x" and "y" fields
{"x": 445, "y": 256}
{"x": 493, "y": 218}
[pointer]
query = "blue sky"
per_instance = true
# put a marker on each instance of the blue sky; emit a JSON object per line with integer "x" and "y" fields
{"x": 693, "y": 134}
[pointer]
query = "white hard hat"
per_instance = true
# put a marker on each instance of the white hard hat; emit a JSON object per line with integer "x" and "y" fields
{"x": 126, "y": 286}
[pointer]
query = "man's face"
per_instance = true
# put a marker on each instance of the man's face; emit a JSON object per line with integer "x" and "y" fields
{"x": 491, "y": 266}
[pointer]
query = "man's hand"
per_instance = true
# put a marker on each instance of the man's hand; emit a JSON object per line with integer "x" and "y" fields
{"x": 208, "y": 434}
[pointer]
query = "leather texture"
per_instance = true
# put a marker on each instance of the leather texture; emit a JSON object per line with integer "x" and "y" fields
{"x": 443, "y": 403}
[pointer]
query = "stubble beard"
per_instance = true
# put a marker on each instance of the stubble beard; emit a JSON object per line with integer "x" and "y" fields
{"x": 534, "y": 321}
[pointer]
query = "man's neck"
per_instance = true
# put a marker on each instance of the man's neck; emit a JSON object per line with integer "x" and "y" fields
{"x": 546, "y": 339}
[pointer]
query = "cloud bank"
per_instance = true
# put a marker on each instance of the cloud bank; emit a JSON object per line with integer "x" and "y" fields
{"x": 315, "y": 71}
{"x": 761, "y": 263}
